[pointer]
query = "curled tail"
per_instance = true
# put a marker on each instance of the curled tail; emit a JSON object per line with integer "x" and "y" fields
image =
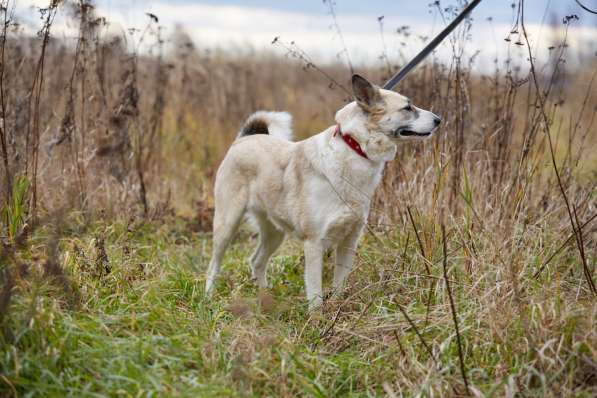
{"x": 276, "y": 124}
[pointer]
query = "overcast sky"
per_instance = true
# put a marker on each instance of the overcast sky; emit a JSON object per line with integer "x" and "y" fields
{"x": 236, "y": 24}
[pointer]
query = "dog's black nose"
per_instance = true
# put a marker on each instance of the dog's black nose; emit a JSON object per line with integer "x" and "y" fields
{"x": 437, "y": 120}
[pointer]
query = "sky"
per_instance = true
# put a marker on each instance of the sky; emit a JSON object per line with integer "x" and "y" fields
{"x": 237, "y": 25}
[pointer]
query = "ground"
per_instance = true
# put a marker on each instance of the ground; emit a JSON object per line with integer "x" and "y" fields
{"x": 132, "y": 320}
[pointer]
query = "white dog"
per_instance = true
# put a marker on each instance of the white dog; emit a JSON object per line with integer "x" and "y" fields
{"x": 318, "y": 190}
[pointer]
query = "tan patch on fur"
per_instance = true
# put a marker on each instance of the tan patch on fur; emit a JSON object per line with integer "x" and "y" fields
{"x": 374, "y": 116}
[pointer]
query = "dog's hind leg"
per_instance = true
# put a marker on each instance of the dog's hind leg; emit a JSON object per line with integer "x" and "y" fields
{"x": 226, "y": 221}
{"x": 270, "y": 238}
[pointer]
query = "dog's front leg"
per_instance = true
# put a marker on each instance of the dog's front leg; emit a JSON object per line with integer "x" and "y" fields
{"x": 345, "y": 252}
{"x": 313, "y": 268}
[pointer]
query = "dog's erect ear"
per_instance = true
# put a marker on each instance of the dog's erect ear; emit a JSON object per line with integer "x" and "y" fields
{"x": 365, "y": 93}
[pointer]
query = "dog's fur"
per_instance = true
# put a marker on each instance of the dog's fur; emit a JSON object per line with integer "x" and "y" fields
{"x": 318, "y": 190}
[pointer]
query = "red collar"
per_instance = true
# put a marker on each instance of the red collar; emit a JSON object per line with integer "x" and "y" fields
{"x": 351, "y": 142}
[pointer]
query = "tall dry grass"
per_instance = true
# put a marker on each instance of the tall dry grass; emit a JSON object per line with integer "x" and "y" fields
{"x": 110, "y": 120}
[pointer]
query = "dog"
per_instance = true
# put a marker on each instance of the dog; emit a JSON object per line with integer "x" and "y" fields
{"x": 318, "y": 190}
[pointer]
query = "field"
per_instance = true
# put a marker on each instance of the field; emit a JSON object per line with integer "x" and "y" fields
{"x": 475, "y": 276}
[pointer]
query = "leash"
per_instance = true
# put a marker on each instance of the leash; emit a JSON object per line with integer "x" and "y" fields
{"x": 390, "y": 84}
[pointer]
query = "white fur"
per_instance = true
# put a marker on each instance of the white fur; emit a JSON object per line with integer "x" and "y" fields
{"x": 318, "y": 190}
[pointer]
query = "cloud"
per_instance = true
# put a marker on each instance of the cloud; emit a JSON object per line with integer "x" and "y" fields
{"x": 227, "y": 26}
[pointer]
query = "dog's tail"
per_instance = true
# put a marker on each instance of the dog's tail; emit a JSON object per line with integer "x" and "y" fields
{"x": 277, "y": 124}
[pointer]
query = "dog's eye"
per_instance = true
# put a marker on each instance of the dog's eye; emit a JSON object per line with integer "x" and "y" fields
{"x": 408, "y": 108}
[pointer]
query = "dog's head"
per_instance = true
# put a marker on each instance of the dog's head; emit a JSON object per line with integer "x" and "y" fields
{"x": 378, "y": 118}
{"x": 391, "y": 113}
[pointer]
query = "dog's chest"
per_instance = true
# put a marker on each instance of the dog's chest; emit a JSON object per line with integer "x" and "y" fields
{"x": 335, "y": 207}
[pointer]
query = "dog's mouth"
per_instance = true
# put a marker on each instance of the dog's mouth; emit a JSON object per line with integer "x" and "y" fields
{"x": 410, "y": 133}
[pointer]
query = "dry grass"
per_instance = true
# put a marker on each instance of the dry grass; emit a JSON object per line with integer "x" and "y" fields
{"x": 108, "y": 162}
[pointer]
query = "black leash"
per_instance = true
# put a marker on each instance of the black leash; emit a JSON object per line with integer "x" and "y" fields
{"x": 390, "y": 84}
{"x": 587, "y": 9}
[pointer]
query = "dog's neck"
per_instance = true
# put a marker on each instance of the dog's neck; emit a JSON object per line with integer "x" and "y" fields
{"x": 376, "y": 146}
{"x": 353, "y": 177}
{"x": 351, "y": 142}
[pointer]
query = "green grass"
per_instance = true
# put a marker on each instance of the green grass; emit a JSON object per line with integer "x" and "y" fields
{"x": 145, "y": 329}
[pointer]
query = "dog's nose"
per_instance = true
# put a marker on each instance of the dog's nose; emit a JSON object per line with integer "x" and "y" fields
{"x": 437, "y": 120}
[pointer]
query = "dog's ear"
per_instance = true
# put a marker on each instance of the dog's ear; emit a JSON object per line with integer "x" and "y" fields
{"x": 365, "y": 93}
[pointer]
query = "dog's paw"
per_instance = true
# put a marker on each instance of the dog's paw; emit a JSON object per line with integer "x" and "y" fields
{"x": 260, "y": 282}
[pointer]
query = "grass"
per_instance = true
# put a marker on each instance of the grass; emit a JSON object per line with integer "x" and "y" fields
{"x": 145, "y": 328}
